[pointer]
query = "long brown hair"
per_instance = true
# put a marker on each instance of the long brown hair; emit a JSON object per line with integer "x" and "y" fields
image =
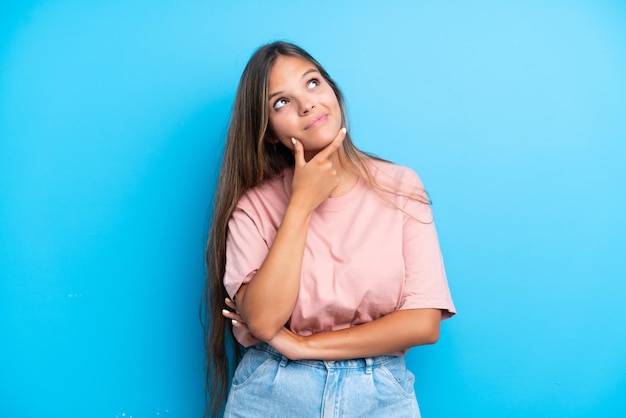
{"x": 251, "y": 155}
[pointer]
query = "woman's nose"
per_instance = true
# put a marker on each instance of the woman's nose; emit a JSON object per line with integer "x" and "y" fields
{"x": 306, "y": 107}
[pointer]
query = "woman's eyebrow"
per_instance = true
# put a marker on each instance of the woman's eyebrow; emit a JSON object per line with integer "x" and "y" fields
{"x": 307, "y": 72}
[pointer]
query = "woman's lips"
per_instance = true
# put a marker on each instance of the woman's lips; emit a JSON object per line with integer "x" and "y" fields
{"x": 316, "y": 122}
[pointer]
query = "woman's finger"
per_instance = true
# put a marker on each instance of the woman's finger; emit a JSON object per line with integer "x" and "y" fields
{"x": 235, "y": 319}
{"x": 235, "y": 316}
{"x": 231, "y": 304}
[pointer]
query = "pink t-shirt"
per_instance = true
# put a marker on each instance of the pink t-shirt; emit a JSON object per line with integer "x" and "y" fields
{"x": 364, "y": 257}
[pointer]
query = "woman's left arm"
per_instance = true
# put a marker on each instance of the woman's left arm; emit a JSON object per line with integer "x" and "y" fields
{"x": 397, "y": 331}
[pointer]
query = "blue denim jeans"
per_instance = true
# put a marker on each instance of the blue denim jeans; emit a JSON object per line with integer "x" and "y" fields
{"x": 267, "y": 384}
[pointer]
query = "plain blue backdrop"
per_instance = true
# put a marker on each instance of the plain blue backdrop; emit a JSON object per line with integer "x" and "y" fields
{"x": 112, "y": 117}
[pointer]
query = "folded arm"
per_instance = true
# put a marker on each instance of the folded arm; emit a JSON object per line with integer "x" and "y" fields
{"x": 397, "y": 331}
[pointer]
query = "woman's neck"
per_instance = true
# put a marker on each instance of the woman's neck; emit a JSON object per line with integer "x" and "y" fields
{"x": 346, "y": 170}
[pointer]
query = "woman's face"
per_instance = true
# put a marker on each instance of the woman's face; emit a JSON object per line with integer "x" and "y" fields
{"x": 302, "y": 105}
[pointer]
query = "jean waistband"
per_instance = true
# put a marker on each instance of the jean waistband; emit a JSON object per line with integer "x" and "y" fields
{"x": 366, "y": 362}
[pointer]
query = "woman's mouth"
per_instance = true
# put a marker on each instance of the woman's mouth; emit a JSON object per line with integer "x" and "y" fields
{"x": 316, "y": 122}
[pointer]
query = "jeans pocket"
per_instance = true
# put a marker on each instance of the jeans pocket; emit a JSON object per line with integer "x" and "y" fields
{"x": 250, "y": 366}
{"x": 396, "y": 372}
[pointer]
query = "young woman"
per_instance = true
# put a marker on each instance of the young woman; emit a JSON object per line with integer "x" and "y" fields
{"x": 323, "y": 261}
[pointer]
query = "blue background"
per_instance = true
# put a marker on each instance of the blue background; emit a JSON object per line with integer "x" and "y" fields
{"x": 112, "y": 117}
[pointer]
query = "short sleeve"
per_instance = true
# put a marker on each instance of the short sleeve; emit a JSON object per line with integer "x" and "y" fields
{"x": 426, "y": 285}
{"x": 246, "y": 250}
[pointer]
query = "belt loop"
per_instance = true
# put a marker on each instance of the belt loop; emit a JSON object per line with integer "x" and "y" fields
{"x": 368, "y": 365}
{"x": 283, "y": 361}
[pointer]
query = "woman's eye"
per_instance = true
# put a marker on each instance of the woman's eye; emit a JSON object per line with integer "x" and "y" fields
{"x": 279, "y": 103}
{"x": 313, "y": 83}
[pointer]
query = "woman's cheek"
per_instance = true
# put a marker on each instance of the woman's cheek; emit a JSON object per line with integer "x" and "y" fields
{"x": 277, "y": 123}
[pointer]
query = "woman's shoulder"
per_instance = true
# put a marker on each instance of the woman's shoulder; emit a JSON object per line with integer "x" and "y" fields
{"x": 405, "y": 187}
{"x": 394, "y": 175}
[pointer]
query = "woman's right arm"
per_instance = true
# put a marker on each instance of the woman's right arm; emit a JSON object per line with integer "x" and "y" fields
{"x": 267, "y": 301}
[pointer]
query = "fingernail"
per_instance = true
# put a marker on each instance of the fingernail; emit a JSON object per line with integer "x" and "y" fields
{"x": 227, "y": 300}
{"x": 344, "y": 130}
{"x": 293, "y": 141}
{"x": 225, "y": 311}
{"x": 235, "y": 322}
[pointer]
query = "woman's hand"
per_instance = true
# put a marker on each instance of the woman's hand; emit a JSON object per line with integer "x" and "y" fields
{"x": 286, "y": 342}
{"x": 314, "y": 180}
{"x": 233, "y": 315}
